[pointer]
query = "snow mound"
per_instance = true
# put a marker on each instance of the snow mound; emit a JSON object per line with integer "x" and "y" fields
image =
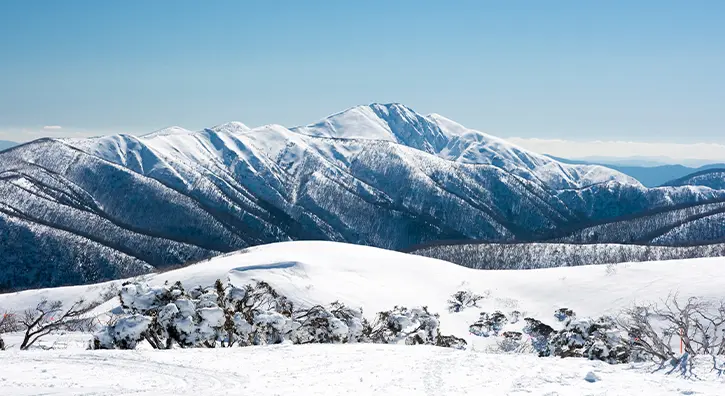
{"x": 311, "y": 273}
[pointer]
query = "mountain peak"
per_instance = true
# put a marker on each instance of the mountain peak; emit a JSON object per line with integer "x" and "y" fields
{"x": 172, "y": 130}
{"x": 231, "y": 127}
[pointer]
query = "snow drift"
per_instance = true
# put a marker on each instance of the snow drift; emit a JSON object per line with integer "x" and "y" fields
{"x": 312, "y": 273}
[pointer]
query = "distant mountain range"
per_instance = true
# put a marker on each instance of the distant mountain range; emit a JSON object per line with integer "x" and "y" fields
{"x": 82, "y": 210}
{"x": 649, "y": 176}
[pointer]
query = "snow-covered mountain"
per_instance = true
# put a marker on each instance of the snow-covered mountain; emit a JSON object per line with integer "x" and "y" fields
{"x": 449, "y": 140}
{"x": 83, "y": 210}
{"x": 713, "y": 178}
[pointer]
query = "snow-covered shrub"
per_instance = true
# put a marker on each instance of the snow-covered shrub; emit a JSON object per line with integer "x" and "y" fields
{"x": 416, "y": 326}
{"x": 511, "y": 341}
{"x": 515, "y": 316}
{"x": 169, "y": 315}
{"x": 539, "y": 333}
{"x": 488, "y": 325}
{"x": 598, "y": 339}
{"x": 258, "y": 297}
{"x": 410, "y": 326}
{"x": 358, "y": 327}
{"x": 339, "y": 324}
{"x": 143, "y": 299}
{"x": 271, "y": 327}
{"x": 255, "y": 314}
{"x": 318, "y": 325}
{"x": 125, "y": 333}
{"x": 239, "y": 330}
{"x": 394, "y": 326}
{"x": 463, "y": 299}
{"x": 450, "y": 341}
{"x": 564, "y": 314}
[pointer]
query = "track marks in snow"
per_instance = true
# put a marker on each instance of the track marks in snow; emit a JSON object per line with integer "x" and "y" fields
{"x": 363, "y": 369}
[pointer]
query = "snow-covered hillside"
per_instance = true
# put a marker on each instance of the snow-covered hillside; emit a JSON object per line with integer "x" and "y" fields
{"x": 534, "y": 255}
{"x": 447, "y": 139}
{"x": 713, "y": 178}
{"x": 379, "y": 175}
{"x": 374, "y": 279}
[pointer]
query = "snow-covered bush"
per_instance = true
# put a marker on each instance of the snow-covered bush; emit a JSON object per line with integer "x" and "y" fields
{"x": 539, "y": 333}
{"x": 451, "y": 341}
{"x": 163, "y": 316}
{"x": 463, "y": 299}
{"x": 511, "y": 341}
{"x": 337, "y": 325}
{"x": 488, "y": 324}
{"x": 598, "y": 339}
{"x": 255, "y": 314}
{"x": 318, "y": 325}
{"x": 411, "y": 326}
{"x": 125, "y": 333}
{"x": 358, "y": 328}
{"x": 564, "y": 314}
{"x": 416, "y": 326}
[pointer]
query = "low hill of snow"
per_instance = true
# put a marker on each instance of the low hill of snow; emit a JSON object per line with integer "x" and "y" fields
{"x": 312, "y": 273}
{"x": 373, "y": 279}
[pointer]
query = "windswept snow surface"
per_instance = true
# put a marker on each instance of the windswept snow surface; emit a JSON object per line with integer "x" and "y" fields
{"x": 356, "y": 369}
{"x": 312, "y": 273}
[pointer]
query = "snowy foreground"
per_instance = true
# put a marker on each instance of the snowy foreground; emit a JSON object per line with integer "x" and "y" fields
{"x": 363, "y": 369}
{"x": 310, "y": 273}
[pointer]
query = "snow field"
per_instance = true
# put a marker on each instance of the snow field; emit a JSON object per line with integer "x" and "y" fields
{"x": 311, "y": 273}
{"x": 360, "y": 369}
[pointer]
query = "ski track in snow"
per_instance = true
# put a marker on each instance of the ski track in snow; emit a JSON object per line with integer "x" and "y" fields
{"x": 362, "y": 369}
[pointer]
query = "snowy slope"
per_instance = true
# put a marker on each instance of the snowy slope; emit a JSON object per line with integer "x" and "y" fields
{"x": 357, "y": 369}
{"x": 375, "y": 279}
{"x": 713, "y": 178}
{"x": 447, "y": 139}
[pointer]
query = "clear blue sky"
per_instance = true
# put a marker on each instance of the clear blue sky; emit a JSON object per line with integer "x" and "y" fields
{"x": 577, "y": 70}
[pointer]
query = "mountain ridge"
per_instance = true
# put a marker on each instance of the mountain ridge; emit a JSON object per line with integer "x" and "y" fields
{"x": 176, "y": 196}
